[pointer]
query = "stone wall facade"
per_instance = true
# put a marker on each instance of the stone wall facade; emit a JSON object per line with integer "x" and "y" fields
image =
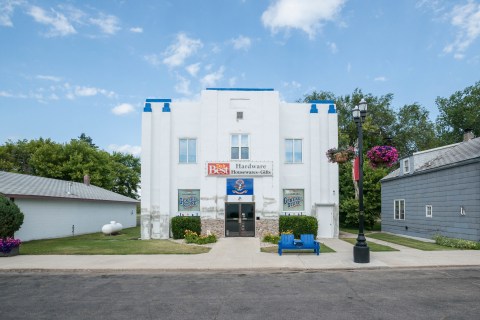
{"x": 215, "y": 226}
{"x": 263, "y": 227}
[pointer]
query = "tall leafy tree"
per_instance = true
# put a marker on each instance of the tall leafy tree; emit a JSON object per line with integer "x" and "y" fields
{"x": 459, "y": 112}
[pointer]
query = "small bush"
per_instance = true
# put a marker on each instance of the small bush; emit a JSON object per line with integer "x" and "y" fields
{"x": 11, "y": 218}
{"x": 456, "y": 243}
{"x": 193, "y": 237}
{"x": 180, "y": 224}
{"x": 270, "y": 238}
{"x": 298, "y": 225}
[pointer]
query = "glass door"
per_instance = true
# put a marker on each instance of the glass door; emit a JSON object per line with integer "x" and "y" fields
{"x": 240, "y": 219}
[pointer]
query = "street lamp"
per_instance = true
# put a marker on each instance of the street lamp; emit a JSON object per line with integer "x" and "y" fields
{"x": 361, "y": 251}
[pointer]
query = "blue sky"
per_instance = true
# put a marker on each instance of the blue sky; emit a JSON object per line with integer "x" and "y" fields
{"x": 68, "y": 67}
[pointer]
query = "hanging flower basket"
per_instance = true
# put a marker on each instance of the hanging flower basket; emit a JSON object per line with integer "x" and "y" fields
{"x": 382, "y": 156}
{"x": 335, "y": 155}
{"x": 9, "y": 247}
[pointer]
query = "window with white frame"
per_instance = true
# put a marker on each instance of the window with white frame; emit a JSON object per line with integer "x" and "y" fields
{"x": 399, "y": 209}
{"x": 406, "y": 166}
{"x": 293, "y": 150}
{"x": 239, "y": 147}
{"x": 428, "y": 211}
{"x": 187, "y": 150}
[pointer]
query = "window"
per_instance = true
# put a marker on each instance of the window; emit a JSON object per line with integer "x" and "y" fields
{"x": 293, "y": 200}
{"x": 428, "y": 211}
{"x": 239, "y": 145}
{"x": 406, "y": 166}
{"x": 188, "y": 200}
{"x": 188, "y": 151}
{"x": 399, "y": 209}
{"x": 293, "y": 150}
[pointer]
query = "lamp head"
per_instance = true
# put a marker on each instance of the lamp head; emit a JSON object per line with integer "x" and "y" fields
{"x": 363, "y": 109}
{"x": 356, "y": 113}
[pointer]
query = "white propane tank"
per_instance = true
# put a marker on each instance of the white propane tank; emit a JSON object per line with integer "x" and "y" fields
{"x": 112, "y": 227}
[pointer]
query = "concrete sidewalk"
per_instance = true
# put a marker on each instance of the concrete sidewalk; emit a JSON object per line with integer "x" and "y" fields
{"x": 237, "y": 254}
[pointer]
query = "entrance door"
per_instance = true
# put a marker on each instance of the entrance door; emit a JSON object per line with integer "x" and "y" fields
{"x": 240, "y": 219}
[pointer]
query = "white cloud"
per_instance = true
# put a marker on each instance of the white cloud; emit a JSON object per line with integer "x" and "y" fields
{"x": 306, "y": 15}
{"x": 58, "y": 23}
{"x": 126, "y": 148}
{"x": 108, "y": 24}
{"x": 380, "y": 78}
{"x": 153, "y": 59}
{"x": 292, "y": 84}
{"x": 92, "y": 91}
{"x": 183, "y": 86}
{"x": 466, "y": 19}
{"x": 242, "y": 43}
{"x": 6, "y": 94}
{"x": 193, "y": 69}
{"x": 122, "y": 109}
{"x": 6, "y": 11}
{"x": 232, "y": 82}
{"x": 211, "y": 79}
{"x": 136, "y": 30}
{"x": 49, "y": 78}
{"x": 332, "y": 46}
{"x": 183, "y": 48}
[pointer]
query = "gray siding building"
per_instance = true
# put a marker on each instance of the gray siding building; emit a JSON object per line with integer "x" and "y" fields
{"x": 435, "y": 191}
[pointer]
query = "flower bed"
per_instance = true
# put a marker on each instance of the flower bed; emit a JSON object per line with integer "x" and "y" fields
{"x": 9, "y": 247}
{"x": 382, "y": 156}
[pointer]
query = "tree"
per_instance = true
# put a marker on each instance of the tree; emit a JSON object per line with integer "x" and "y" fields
{"x": 459, "y": 112}
{"x": 11, "y": 218}
{"x": 414, "y": 131}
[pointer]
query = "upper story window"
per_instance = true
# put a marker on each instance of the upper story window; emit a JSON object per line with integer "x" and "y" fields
{"x": 406, "y": 166}
{"x": 293, "y": 150}
{"x": 188, "y": 151}
{"x": 239, "y": 147}
{"x": 399, "y": 209}
{"x": 428, "y": 211}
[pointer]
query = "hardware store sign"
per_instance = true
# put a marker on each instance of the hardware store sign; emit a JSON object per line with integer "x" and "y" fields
{"x": 240, "y": 168}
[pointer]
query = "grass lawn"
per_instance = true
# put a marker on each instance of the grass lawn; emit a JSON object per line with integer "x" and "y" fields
{"x": 97, "y": 243}
{"x": 407, "y": 242}
{"x": 374, "y": 247}
{"x": 274, "y": 249}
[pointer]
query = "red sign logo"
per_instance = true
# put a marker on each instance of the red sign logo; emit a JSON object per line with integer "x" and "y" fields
{"x": 216, "y": 169}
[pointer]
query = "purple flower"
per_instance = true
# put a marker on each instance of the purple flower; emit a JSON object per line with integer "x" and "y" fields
{"x": 7, "y": 244}
{"x": 382, "y": 155}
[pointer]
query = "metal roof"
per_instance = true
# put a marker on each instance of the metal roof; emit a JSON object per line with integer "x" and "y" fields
{"x": 441, "y": 157}
{"x": 26, "y": 186}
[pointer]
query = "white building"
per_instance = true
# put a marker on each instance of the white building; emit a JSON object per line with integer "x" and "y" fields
{"x": 238, "y": 158}
{"x": 56, "y": 208}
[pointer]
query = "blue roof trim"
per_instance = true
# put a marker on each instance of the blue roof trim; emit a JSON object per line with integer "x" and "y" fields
{"x": 331, "y": 109}
{"x": 241, "y": 89}
{"x": 166, "y": 107}
{"x": 322, "y": 101}
{"x": 158, "y": 100}
{"x": 148, "y": 107}
{"x": 313, "y": 109}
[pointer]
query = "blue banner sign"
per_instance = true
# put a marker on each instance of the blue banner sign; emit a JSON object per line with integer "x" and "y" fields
{"x": 240, "y": 187}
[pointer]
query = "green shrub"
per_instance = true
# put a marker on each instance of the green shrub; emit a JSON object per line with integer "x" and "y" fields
{"x": 180, "y": 224}
{"x": 11, "y": 218}
{"x": 270, "y": 238}
{"x": 299, "y": 225}
{"x": 193, "y": 237}
{"x": 456, "y": 243}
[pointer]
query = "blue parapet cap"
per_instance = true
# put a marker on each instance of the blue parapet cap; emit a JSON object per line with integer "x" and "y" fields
{"x": 148, "y": 107}
{"x": 158, "y": 100}
{"x": 240, "y": 89}
{"x": 322, "y": 101}
{"x": 313, "y": 109}
{"x": 166, "y": 107}
{"x": 331, "y": 109}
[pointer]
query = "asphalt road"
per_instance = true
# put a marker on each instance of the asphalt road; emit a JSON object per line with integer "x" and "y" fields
{"x": 374, "y": 294}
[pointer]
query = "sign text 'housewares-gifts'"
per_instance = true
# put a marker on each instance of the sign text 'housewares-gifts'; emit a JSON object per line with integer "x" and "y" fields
{"x": 240, "y": 168}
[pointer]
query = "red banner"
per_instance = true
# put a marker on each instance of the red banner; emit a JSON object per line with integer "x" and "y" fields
{"x": 356, "y": 169}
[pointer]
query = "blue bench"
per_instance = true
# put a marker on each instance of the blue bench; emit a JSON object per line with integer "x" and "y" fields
{"x": 307, "y": 241}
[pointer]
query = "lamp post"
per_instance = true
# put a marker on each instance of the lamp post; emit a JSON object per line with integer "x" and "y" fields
{"x": 361, "y": 251}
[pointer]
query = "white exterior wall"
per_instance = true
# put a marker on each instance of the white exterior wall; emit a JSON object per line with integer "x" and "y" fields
{"x": 54, "y": 218}
{"x": 212, "y": 121}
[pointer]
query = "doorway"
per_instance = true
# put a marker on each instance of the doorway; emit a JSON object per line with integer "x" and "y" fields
{"x": 240, "y": 219}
